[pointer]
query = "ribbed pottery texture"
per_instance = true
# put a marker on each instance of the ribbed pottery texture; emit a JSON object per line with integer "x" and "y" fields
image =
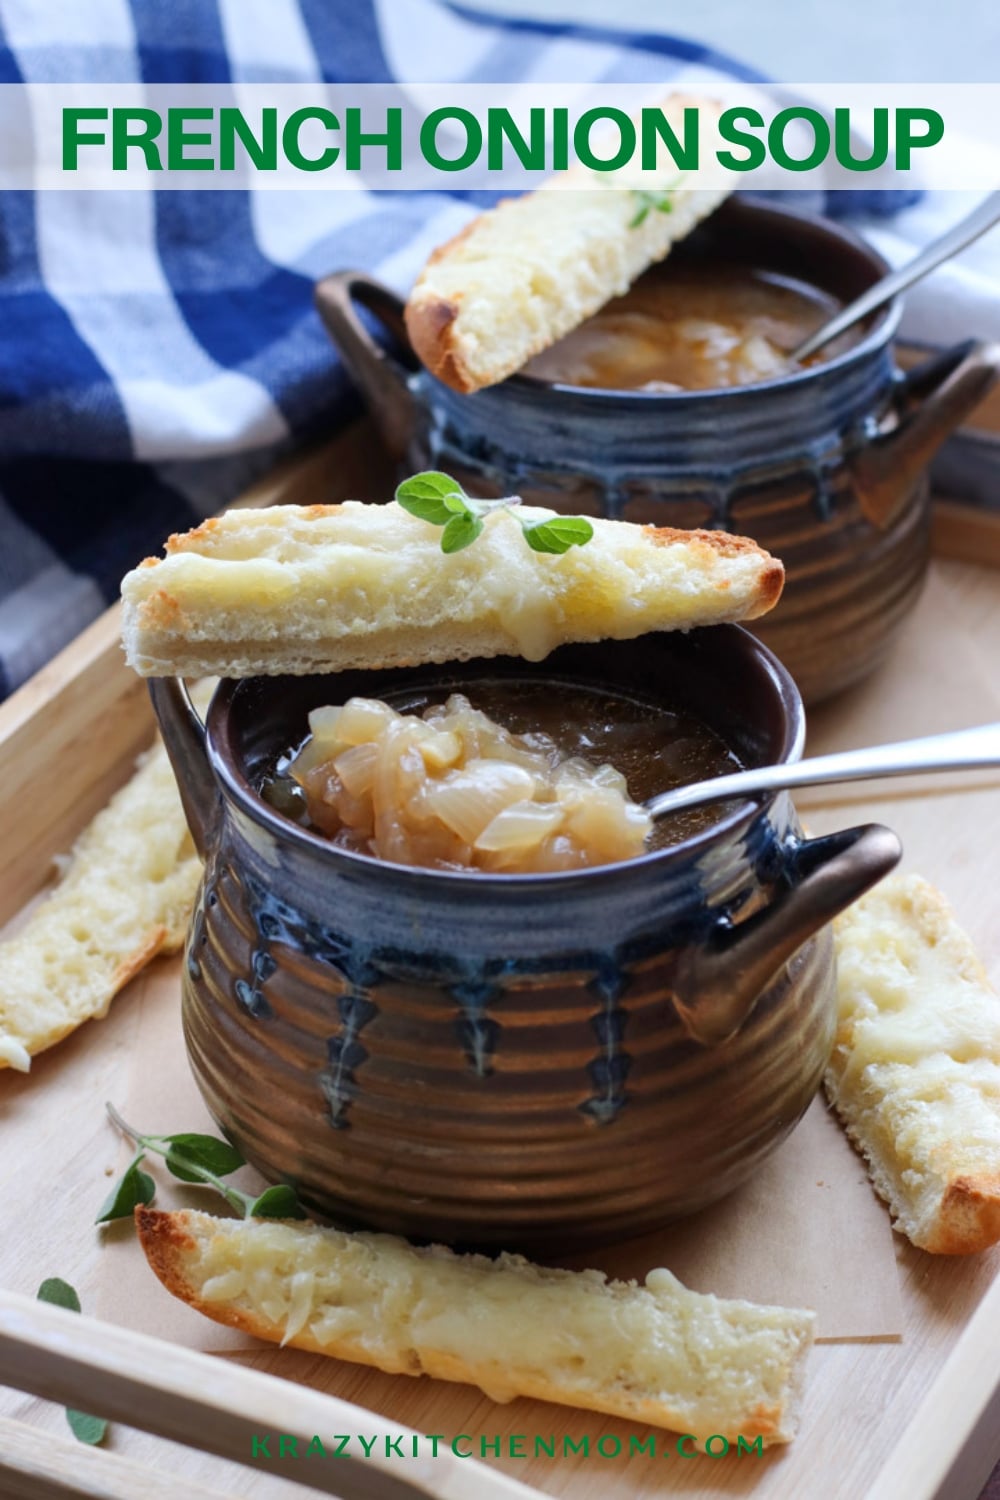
{"x": 498, "y": 1061}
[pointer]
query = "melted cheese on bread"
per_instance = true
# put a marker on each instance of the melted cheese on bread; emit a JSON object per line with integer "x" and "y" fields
{"x": 298, "y": 589}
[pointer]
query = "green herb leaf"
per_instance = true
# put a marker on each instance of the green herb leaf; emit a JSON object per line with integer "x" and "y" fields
{"x": 457, "y": 505}
{"x": 461, "y": 531}
{"x": 192, "y": 1155}
{"x": 662, "y": 202}
{"x": 59, "y": 1293}
{"x": 277, "y": 1202}
{"x": 426, "y": 495}
{"x": 133, "y": 1188}
{"x": 87, "y": 1429}
{"x": 559, "y": 534}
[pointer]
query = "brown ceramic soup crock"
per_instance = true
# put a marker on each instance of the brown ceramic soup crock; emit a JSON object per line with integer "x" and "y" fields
{"x": 527, "y": 1061}
{"x": 826, "y": 467}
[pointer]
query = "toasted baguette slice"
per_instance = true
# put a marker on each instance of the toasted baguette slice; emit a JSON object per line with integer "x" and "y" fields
{"x": 126, "y": 894}
{"x": 520, "y": 276}
{"x": 915, "y": 1073}
{"x": 658, "y": 1353}
{"x": 323, "y": 588}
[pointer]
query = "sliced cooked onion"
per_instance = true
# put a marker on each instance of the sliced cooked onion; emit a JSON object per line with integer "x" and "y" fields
{"x": 363, "y": 719}
{"x": 465, "y": 801}
{"x": 453, "y": 790}
{"x": 523, "y": 825}
{"x": 356, "y": 768}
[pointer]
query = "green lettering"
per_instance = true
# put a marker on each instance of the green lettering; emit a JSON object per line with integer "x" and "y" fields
{"x": 583, "y": 1446}
{"x": 286, "y": 1442}
{"x": 515, "y": 1445}
{"x": 560, "y": 139}
{"x": 647, "y": 1446}
{"x": 315, "y": 1447}
{"x": 626, "y": 141}
{"x": 603, "y": 1440}
{"x": 682, "y": 1451}
{"x": 548, "y": 1448}
{"x": 178, "y": 138}
{"x": 463, "y": 1437}
{"x": 906, "y": 140}
{"x": 756, "y": 1447}
{"x": 263, "y": 153}
{"x": 393, "y": 1446}
{"x": 656, "y": 127}
{"x": 342, "y": 1441}
{"x": 434, "y": 1438}
{"x": 258, "y": 1446}
{"x": 391, "y": 139}
{"x": 367, "y": 1444}
{"x": 74, "y": 138}
{"x": 121, "y": 139}
{"x": 290, "y": 139}
{"x": 821, "y": 138}
{"x": 473, "y": 139}
{"x": 755, "y": 149}
{"x": 500, "y": 127}
{"x": 717, "y": 1452}
{"x": 842, "y": 141}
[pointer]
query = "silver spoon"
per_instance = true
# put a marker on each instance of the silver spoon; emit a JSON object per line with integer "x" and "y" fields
{"x": 982, "y": 218}
{"x": 964, "y": 749}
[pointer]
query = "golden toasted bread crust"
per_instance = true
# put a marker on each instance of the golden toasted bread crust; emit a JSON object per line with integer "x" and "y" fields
{"x": 429, "y": 326}
{"x": 168, "y": 1243}
{"x": 918, "y": 1030}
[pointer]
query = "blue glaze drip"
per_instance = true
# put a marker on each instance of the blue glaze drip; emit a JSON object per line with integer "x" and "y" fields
{"x": 477, "y": 1032}
{"x": 253, "y": 1000}
{"x": 609, "y": 1069}
{"x": 277, "y": 920}
{"x": 195, "y": 940}
{"x": 345, "y": 1054}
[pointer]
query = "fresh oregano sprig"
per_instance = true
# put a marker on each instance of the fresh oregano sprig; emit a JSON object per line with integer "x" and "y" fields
{"x": 192, "y": 1158}
{"x": 662, "y": 202}
{"x": 441, "y": 500}
{"x": 87, "y": 1429}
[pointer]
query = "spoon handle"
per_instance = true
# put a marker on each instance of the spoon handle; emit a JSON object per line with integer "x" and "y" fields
{"x": 982, "y": 217}
{"x": 963, "y": 748}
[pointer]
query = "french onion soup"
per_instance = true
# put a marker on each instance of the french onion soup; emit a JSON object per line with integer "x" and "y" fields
{"x": 685, "y": 327}
{"x": 517, "y": 777}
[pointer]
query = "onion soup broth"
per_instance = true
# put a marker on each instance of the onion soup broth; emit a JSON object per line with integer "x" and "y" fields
{"x": 686, "y": 327}
{"x": 516, "y": 777}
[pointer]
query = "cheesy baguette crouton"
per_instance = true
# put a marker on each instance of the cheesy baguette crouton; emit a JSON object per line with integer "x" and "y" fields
{"x": 324, "y": 588}
{"x": 915, "y": 1072}
{"x": 523, "y": 274}
{"x": 656, "y": 1354}
{"x": 126, "y": 894}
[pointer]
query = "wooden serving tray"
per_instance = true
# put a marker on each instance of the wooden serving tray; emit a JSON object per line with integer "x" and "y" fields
{"x": 917, "y": 1419}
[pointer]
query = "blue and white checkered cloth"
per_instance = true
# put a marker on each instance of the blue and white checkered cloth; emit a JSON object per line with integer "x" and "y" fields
{"x": 160, "y": 349}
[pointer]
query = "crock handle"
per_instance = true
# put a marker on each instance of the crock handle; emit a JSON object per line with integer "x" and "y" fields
{"x": 718, "y": 984}
{"x": 380, "y": 379}
{"x": 184, "y": 736}
{"x": 931, "y": 401}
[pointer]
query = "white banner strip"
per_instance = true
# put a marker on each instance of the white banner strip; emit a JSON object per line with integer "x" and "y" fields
{"x": 507, "y": 137}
